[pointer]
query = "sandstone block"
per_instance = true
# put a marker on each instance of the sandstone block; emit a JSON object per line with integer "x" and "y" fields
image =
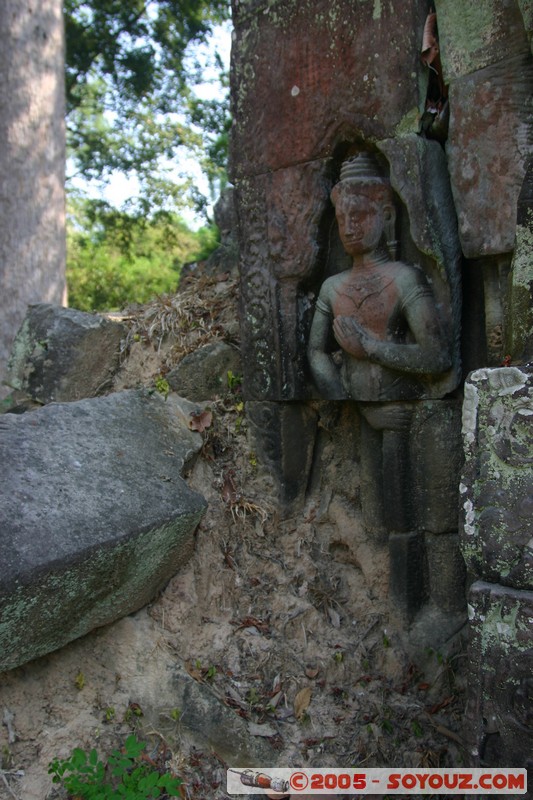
{"x": 488, "y": 149}
{"x": 61, "y": 354}
{"x": 497, "y": 484}
{"x": 95, "y": 517}
{"x": 473, "y": 35}
{"x": 519, "y": 339}
{"x": 408, "y": 578}
{"x": 446, "y": 570}
{"x": 203, "y": 374}
{"x": 304, "y": 73}
{"x": 499, "y": 714}
{"x": 436, "y": 458}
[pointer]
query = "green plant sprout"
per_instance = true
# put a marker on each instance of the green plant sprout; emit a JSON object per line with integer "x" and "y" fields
{"x": 79, "y": 680}
{"x": 162, "y": 386}
{"x": 234, "y": 381}
{"x": 124, "y": 777}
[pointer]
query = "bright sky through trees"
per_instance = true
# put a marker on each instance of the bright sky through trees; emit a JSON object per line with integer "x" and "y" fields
{"x": 205, "y": 62}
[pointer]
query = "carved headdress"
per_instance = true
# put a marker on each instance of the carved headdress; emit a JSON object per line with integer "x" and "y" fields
{"x": 362, "y": 167}
{"x": 361, "y": 176}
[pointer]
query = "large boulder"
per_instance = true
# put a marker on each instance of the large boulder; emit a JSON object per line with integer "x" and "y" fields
{"x": 63, "y": 354}
{"x": 95, "y": 516}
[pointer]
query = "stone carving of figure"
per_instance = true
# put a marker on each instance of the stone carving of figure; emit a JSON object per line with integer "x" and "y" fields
{"x": 381, "y": 311}
{"x": 389, "y": 338}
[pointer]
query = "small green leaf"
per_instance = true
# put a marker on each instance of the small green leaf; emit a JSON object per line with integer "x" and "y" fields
{"x": 79, "y": 680}
{"x": 133, "y": 747}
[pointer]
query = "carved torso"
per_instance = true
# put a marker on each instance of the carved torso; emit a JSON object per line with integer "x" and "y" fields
{"x": 374, "y": 299}
{"x": 384, "y": 299}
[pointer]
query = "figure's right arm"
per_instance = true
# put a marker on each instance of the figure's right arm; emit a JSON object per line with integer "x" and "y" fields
{"x": 325, "y": 373}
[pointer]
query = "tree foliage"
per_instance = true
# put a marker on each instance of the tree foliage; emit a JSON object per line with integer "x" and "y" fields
{"x": 130, "y": 103}
{"x": 116, "y": 259}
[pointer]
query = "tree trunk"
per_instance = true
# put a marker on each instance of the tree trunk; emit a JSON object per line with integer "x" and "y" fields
{"x": 32, "y": 161}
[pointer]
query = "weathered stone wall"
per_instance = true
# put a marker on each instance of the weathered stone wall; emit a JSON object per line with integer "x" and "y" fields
{"x": 311, "y": 78}
{"x": 487, "y": 62}
{"x": 313, "y": 82}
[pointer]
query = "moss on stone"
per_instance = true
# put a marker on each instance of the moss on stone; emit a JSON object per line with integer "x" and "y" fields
{"x": 466, "y": 28}
{"x": 501, "y": 628}
{"x": 409, "y": 124}
{"x": 100, "y": 586}
{"x": 519, "y": 339}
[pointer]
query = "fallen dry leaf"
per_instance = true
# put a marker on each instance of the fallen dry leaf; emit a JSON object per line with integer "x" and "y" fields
{"x": 229, "y": 490}
{"x": 301, "y": 702}
{"x": 334, "y": 617}
{"x": 441, "y": 705}
{"x": 274, "y": 700}
{"x": 201, "y": 421}
{"x": 430, "y": 43}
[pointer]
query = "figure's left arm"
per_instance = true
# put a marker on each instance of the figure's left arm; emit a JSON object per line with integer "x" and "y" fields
{"x": 430, "y": 352}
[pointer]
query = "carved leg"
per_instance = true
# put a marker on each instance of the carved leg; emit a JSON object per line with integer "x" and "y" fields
{"x": 388, "y": 501}
{"x": 386, "y": 490}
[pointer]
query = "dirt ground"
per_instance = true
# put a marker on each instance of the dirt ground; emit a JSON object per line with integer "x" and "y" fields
{"x": 285, "y": 622}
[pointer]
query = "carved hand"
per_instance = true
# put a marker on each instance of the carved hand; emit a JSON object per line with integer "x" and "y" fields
{"x": 350, "y": 336}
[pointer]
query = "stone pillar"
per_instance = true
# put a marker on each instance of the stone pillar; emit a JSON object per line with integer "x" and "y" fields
{"x": 497, "y": 537}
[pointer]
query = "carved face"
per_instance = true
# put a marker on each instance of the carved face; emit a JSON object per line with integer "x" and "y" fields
{"x": 360, "y": 221}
